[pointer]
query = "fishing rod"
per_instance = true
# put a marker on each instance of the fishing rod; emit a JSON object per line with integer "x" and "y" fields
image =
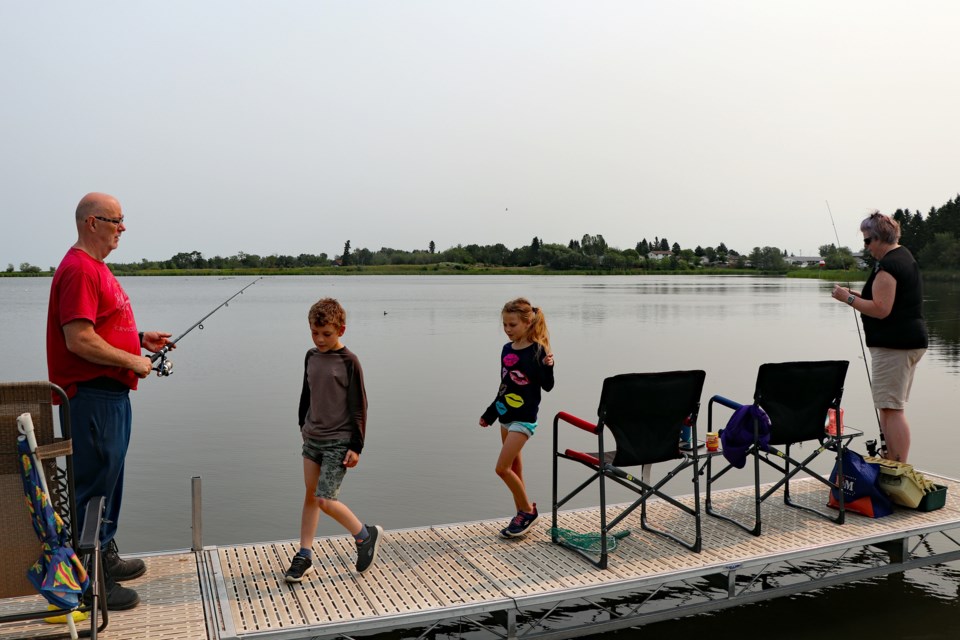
{"x": 163, "y": 365}
{"x": 870, "y": 444}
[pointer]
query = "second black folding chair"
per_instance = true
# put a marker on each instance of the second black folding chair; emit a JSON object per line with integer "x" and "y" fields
{"x": 645, "y": 413}
{"x": 796, "y": 396}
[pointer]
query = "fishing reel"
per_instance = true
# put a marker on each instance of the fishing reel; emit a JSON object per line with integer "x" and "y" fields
{"x": 162, "y": 365}
{"x": 876, "y": 451}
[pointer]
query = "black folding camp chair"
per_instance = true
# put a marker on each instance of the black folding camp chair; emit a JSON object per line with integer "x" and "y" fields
{"x": 645, "y": 413}
{"x": 796, "y": 396}
{"x": 21, "y": 609}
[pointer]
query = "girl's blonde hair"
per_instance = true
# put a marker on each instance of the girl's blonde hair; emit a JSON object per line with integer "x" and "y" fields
{"x": 537, "y": 331}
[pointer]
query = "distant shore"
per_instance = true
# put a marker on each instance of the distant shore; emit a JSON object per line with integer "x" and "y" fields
{"x": 455, "y": 269}
{"x": 467, "y": 270}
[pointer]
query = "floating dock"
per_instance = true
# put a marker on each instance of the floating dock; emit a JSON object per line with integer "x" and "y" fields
{"x": 462, "y": 578}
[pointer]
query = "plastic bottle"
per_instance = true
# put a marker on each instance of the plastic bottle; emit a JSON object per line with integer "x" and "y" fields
{"x": 686, "y": 437}
{"x": 832, "y": 427}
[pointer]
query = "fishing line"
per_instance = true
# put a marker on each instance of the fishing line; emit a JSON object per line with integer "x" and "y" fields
{"x": 165, "y": 366}
{"x": 863, "y": 350}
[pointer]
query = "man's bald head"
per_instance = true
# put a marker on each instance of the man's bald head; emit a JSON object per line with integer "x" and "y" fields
{"x": 99, "y": 224}
{"x": 96, "y": 204}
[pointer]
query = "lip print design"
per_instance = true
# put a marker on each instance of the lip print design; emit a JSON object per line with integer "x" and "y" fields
{"x": 502, "y": 390}
{"x": 518, "y": 377}
{"x": 511, "y": 359}
{"x": 513, "y": 400}
{"x": 503, "y": 372}
{"x": 501, "y": 408}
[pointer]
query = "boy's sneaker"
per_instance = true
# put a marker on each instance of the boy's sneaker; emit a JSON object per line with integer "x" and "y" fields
{"x": 299, "y": 566}
{"x": 367, "y": 550}
{"x": 520, "y": 524}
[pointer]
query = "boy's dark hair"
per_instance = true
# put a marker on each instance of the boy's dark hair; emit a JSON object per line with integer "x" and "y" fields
{"x": 327, "y": 311}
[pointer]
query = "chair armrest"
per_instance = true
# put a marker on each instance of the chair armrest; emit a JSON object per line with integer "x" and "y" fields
{"x": 93, "y": 518}
{"x": 585, "y": 458}
{"x": 726, "y": 402}
{"x": 575, "y": 421}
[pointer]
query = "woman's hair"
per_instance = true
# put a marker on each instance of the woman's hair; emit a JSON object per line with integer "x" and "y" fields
{"x": 883, "y": 228}
{"x": 537, "y": 331}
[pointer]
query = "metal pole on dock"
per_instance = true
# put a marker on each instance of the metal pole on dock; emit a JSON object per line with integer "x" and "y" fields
{"x": 196, "y": 519}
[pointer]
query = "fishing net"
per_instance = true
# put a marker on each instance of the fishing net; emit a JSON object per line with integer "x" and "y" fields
{"x": 588, "y": 542}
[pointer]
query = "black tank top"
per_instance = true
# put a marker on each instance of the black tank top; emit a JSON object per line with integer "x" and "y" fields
{"x": 904, "y": 328}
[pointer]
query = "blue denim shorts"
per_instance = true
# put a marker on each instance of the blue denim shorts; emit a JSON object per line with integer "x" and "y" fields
{"x": 329, "y": 455}
{"x": 526, "y": 428}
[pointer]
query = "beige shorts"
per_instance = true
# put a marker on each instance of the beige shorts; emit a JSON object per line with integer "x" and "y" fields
{"x": 893, "y": 375}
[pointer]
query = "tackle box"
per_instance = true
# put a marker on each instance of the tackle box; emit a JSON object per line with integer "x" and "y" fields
{"x": 899, "y": 483}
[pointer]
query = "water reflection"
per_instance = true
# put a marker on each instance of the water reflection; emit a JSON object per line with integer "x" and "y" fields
{"x": 941, "y": 304}
{"x": 915, "y": 604}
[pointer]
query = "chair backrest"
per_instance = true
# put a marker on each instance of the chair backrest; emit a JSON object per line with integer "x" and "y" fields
{"x": 19, "y": 545}
{"x": 797, "y": 395}
{"x": 645, "y": 412}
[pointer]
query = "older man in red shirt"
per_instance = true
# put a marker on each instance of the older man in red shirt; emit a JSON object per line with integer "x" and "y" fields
{"x": 94, "y": 353}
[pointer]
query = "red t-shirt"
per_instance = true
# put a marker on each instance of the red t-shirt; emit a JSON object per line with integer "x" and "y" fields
{"x": 84, "y": 288}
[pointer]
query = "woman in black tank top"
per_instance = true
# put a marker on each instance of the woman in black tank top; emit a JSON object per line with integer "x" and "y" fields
{"x": 891, "y": 307}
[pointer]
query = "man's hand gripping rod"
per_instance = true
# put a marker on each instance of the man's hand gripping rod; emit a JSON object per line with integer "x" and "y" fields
{"x": 162, "y": 365}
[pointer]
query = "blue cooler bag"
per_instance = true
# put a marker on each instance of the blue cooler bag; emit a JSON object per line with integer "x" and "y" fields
{"x": 861, "y": 490}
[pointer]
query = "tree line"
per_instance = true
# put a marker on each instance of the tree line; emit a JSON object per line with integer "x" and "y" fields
{"x": 934, "y": 240}
{"x": 589, "y": 252}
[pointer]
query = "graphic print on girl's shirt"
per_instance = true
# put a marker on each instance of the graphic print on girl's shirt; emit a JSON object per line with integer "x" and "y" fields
{"x": 522, "y": 376}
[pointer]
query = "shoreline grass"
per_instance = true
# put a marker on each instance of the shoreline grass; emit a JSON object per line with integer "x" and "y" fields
{"x": 457, "y": 269}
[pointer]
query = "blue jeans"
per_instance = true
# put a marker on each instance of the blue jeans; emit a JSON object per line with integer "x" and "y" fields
{"x": 100, "y": 425}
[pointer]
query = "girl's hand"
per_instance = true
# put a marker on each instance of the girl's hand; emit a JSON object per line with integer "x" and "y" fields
{"x": 548, "y": 360}
{"x": 351, "y": 459}
{"x": 483, "y": 423}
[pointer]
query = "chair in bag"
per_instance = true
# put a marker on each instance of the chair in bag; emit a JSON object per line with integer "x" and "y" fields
{"x": 41, "y": 531}
{"x": 645, "y": 413}
{"x": 790, "y": 406}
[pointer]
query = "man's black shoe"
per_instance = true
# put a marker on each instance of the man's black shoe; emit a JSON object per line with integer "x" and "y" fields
{"x": 119, "y": 597}
{"x": 120, "y": 569}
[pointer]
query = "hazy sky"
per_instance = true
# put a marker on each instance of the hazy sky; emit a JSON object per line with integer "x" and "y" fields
{"x": 288, "y": 127}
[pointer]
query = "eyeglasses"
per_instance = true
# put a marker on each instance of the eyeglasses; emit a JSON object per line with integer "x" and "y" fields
{"x": 867, "y": 241}
{"x": 116, "y": 221}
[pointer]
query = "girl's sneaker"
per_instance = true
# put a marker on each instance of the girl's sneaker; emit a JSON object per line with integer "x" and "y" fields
{"x": 520, "y": 524}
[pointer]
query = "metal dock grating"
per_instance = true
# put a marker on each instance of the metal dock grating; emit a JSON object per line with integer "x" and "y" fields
{"x": 425, "y": 575}
{"x": 459, "y": 572}
{"x": 171, "y": 606}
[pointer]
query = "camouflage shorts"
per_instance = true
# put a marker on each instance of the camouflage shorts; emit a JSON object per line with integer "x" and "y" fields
{"x": 329, "y": 454}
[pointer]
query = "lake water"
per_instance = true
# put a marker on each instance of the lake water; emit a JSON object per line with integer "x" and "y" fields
{"x": 429, "y": 346}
